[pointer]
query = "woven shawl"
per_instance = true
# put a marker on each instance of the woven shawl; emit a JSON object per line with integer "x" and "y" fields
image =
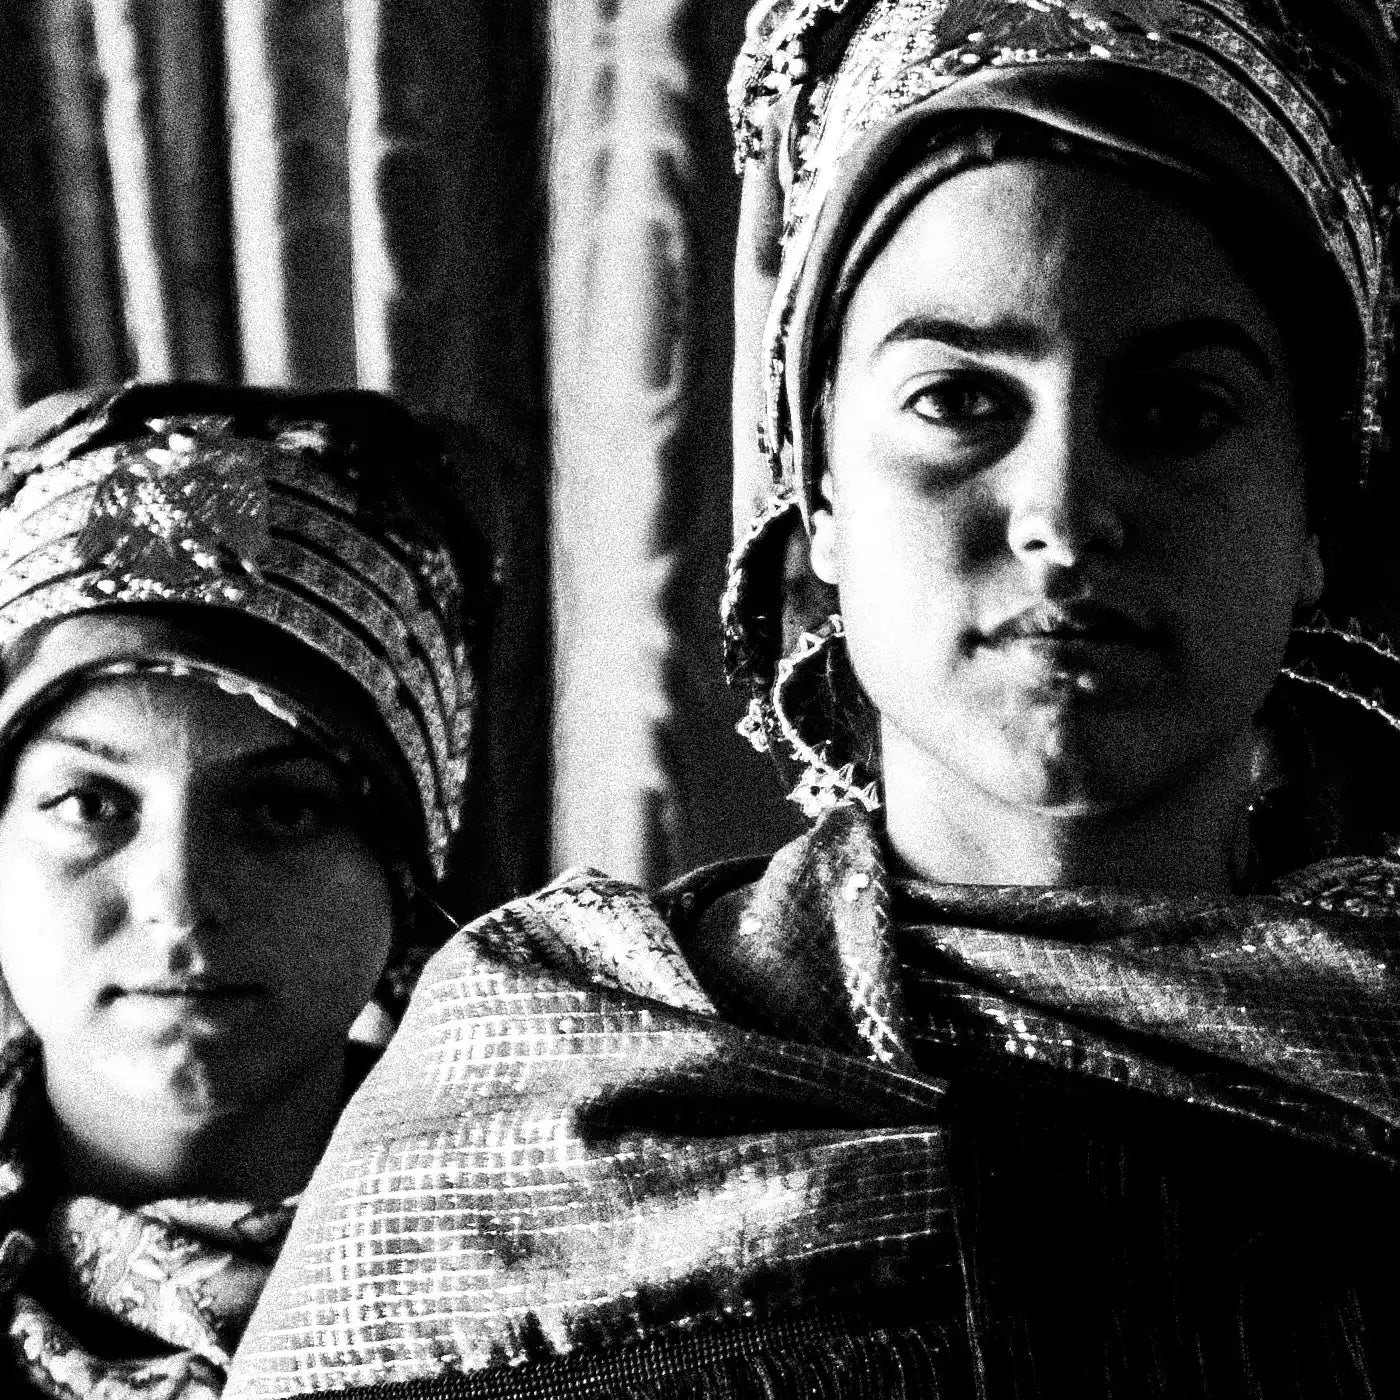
{"x": 828, "y": 1133}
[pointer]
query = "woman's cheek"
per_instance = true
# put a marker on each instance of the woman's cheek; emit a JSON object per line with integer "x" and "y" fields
{"x": 327, "y": 926}
{"x": 899, "y": 548}
{"x": 44, "y": 929}
{"x": 896, "y": 603}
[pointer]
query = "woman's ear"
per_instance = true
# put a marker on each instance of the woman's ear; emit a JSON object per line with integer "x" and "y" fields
{"x": 1312, "y": 576}
{"x": 823, "y": 554}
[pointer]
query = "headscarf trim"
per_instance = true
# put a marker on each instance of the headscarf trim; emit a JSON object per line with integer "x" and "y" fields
{"x": 601, "y": 1148}
{"x": 191, "y": 514}
{"x": 893, "y": 54}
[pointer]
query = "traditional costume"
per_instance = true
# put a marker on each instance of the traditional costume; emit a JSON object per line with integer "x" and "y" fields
{"x": 803, "y": 1126}
{"x": 299, "y": 550}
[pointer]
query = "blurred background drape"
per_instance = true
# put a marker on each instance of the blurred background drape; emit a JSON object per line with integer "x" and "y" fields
{"x": 649, "y": 777}
{"x": 458, "y": 202}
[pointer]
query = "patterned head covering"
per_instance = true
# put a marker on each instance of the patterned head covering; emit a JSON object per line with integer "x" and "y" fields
{"x": 846, "y": 111}
{"x": 283, "y": 544}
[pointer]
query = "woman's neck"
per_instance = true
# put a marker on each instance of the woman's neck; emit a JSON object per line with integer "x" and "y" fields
{"x": 1184, "y": 839}
{"x": 133, "y": 1150}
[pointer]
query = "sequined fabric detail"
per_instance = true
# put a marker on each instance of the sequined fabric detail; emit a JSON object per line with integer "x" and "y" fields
{"x": 56, "y": 1364}
{"x": 904, "y": 51}
{"x": 189, "y": 515}
{"x": 197, "y": 524}
{"x": 1255, "y": 1008}
{"x": 1357, "y": 887}
{"x": 183, "y": 1273}
{"x": 561, "y": 1157}
{"x": 162, "y": 1270}
{"x": 546, "y": 1164}
{"x": 842, "y": 991}
{"x": 602, "y": 931}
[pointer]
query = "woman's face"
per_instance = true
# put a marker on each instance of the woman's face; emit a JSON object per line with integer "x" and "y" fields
{"x": 1064, "y": 498}
{"x": 190, "y": 916}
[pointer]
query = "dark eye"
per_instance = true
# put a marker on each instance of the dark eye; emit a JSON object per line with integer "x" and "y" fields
{"x": 291, "y": 812}
{"x": 1173, "y": 418}
{"x": 89, "y": 807}
{"x": 956, "y": 403}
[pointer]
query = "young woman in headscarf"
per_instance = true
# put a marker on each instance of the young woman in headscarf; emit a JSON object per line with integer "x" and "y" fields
{"x": 1059, "y": 1057}
{"x": 235, "y": 718}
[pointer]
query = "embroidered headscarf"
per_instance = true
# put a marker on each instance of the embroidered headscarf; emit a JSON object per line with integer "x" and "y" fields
{"x": 301, "y": 549}
{"x": 304, "y": 551}
{"x": 1280, "y": 117}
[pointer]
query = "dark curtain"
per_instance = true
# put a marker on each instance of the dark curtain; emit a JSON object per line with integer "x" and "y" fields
{"x": 357, "y": 192}
{"x": 311, "y": 194}
{"x": 649, "y": 778}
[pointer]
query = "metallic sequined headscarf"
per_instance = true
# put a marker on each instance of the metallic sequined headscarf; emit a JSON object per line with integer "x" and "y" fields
{"x": 1292, "y": 106}
{"x": 302, "y": 549}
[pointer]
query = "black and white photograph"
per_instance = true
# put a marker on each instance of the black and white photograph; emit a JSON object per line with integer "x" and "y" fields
{"x": 699, "y": 700}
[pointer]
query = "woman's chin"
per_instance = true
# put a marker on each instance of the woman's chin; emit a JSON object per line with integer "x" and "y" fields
{"x": 188, "y": 1079}
{"x": 1085, "y": 761}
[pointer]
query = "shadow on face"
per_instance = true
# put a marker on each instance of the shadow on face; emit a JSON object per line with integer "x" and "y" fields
{"x": 192, "y": 915}
{"x": 1064, "y": 497}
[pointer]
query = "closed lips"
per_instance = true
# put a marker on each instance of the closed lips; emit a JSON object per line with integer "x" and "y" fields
{"x": 194, "y": 987}
{"x": 1074, "y": 622}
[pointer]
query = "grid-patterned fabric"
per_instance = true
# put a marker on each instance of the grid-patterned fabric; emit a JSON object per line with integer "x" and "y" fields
{"x": 594, "y": 1133}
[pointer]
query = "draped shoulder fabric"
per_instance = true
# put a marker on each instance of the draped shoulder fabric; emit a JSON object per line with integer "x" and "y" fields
{"x": 812, "y": 1129}
{"x": 111, "y": 1301}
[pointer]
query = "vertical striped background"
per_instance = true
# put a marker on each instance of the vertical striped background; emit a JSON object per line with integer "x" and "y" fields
{"x": 519, "y": 215}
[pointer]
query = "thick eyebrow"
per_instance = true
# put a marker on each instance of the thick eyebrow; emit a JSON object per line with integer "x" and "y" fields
{"x": 98, "y": 748}
{"x": 114, "y": 753}
{"x": 1008, "y": 337}
{"x": 1025, "y": 341}
{"x": 1202, "y": 332}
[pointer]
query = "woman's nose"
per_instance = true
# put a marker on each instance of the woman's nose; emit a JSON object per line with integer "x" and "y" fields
{"x": 1063, "y": 494}
{"x": 173, "y": 878}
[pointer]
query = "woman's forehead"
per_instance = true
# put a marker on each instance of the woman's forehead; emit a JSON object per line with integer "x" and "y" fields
{"x": 1049, "y": 246}
{"x": 166, "y": 721}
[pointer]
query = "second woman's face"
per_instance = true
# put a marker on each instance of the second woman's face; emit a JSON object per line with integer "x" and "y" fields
{"x": 191, "y": 918}
{"x": 1064, "y": 497}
